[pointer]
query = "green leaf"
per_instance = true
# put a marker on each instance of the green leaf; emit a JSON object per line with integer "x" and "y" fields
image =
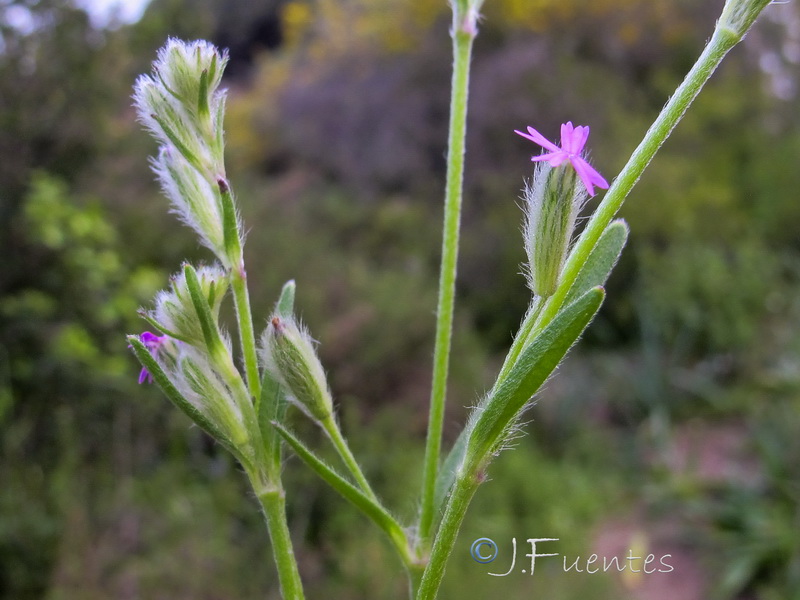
{"x": 203, "y": 310}
{"x": 271, "y": 408}
{"x": 144, "y": 315}
{"x": 202, "y": 94}
{"x": 273, "y": 402}
{"x": 230, "y": 224}
{"x": 190, "y": 156}
{"x": 285, "y": 306}
{"x": 449, "y": 470}
{"x": 377, "y": 513}
{"x": 189, "y": 409}
{"x": 490, "y": 421}
{"x": 601, "y": 261}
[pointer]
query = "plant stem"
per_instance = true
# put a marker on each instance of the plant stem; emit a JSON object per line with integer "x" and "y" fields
{"x": 415, "y": 572}
{"x": 716, "y": 49}
{"x": 273, "y": 502}
{"x": 246, "y": 335}
{"x": 462, "y": 50}
{"x": 333, "y": 431}
{"x": 457, "y": 505}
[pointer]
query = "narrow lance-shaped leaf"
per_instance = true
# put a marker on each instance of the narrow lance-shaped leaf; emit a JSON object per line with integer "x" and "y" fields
{"x": 190, "y": 156}
{"x": 535, "y": 364}
{"x": 272, "y": 404}
{"x": 370, "y": 508}
{"x": 200, "y": 303}
{"x": 285, "y": 305}
{"x": 271, "y": 408}
{"x": 146, "y": 316}
{"x": 601, "y": 261}
{"x": 230, "y": 223}
{"x": 202, "y": 94}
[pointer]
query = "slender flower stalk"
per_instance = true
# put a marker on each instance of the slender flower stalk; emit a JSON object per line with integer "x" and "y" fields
{"x": 463, "y": 34}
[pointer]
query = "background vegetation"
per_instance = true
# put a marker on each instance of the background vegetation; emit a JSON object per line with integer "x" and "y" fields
{"x": 673, "y": 429}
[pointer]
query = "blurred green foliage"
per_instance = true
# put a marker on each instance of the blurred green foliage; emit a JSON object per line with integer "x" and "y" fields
{"x": 336, "y": 127}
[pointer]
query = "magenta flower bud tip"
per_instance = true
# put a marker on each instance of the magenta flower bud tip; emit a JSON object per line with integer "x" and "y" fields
{"x": 153, "y": 343}
{"x": 573, "y": 140}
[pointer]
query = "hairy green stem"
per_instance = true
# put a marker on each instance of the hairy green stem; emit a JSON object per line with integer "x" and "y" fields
{"x": 273, "y": 502}
{"x": 460, "y": 497}
{"x": 415, "y": 572}
{"x": 333, "y": 431}
{"x": 462, "y": 50}
{"x": 719, "y": 45}
{"x": 246, "y": 334}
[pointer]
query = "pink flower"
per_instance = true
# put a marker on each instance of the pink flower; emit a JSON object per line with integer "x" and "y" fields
{"x": 573, "y": 139}
{"x": 153, "y": 343}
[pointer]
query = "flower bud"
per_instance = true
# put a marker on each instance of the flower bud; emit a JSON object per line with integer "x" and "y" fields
{"x": 739, "y": 15}
{"x": 191, "y": 72}
{"x": 181, "y": 104}
{"x": 198, "y": 380}
{"x": 194, "y": 199}
{"x": 174, "y": 311}
{"x": 288, "y": 354}
{"x": 552, "y": 202}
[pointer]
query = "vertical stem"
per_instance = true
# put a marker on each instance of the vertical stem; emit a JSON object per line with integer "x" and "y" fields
{"x": 462, "y": 50}
{"x": 273, "y": 501}
{"x": 246, "y": 335}
{"x": 415, "y": 572}
{"x": 233, "y": 248}
{"x": 457, "y": 505}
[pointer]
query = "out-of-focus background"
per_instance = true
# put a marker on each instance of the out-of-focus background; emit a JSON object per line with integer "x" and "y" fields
{"x": 672, "y": 430}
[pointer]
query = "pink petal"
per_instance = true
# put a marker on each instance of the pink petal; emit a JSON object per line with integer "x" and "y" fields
{"x": 579, "y": 138}
{"x": 589, "y": 176}
{"x": 538, "y": 138}
{"x": 554, "y": 158}
{"x": 566, "y": 136}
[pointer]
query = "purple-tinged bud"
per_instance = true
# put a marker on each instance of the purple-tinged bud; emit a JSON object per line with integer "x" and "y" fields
{"x": 288, "y": 354}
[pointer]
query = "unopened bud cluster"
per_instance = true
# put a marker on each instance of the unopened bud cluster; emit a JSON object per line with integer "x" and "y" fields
{"x": 552, "y": 201}
{"x": 183, "y": 107}
{"x": 175, "y": 312}
{"x": 288, "y": 353}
